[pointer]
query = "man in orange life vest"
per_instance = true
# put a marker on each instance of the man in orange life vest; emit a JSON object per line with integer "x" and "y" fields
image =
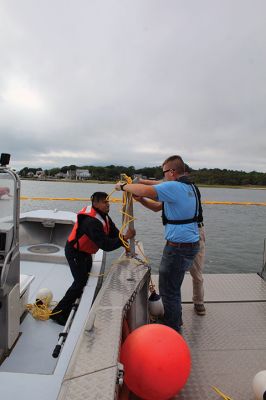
{"x": 94, "y": 229}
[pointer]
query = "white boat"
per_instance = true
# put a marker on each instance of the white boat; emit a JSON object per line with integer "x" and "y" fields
{"x": 228, "y": 344}
{"x": 39, "y": 358}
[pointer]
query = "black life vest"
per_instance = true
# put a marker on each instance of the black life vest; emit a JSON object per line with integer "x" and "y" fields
{"x": 165, "y": 220}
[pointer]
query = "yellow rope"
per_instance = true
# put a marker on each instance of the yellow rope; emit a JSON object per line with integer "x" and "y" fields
{"x": 127, "y": 197}
{"x": 223, "y": 396}
{"x": 127, "y": 219}
{"x": 109, "y": 195}
{"x": 145, "y": 259}
{"x": 41, "y": 311}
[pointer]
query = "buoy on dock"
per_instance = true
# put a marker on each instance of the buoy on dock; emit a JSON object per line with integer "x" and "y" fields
{"x": 45, "y": 296}
{"x": 259, "y": 385}
{"x": 155, "y": 304}
{"x": 156, "y": 361}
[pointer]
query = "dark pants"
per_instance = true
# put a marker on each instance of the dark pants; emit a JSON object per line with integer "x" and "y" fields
{"x": 175, "y": 262}
{"x": 80, "y": 265}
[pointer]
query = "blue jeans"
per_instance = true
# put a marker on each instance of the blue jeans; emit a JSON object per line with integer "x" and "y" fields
{"x": 175, "y": 262}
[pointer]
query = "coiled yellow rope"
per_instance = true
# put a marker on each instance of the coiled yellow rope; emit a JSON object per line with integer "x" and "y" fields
{"x": 41, "y": 309}
{"x": 127, "y": 198}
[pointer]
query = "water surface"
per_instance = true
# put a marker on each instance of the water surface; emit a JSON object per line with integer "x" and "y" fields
{"x": 235, "y": 234}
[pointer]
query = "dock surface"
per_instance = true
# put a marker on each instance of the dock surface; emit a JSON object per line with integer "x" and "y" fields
{"x": 228, "y": 344}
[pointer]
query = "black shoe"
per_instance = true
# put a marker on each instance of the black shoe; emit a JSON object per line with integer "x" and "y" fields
{"x": 200, "y": 309}
{"x": 59, "y": 319}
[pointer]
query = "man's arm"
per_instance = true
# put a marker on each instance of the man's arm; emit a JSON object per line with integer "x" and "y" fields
{"x": 150, "y": 204}
{"x": 149, "y": 181}
{"x": 138, "y": 189}
{"x": 94, "y": 230}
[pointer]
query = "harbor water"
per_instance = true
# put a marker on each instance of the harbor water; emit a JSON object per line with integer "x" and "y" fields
{"x": 234, "y": 233}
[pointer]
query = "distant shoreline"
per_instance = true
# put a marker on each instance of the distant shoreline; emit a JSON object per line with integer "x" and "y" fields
{"x": 66, "y": 180}
{"x": 252, "y": 187}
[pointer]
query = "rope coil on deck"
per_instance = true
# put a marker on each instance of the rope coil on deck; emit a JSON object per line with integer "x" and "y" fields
{"x": 41, "y": 310}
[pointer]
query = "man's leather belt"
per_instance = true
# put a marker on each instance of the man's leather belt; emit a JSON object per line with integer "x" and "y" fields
{"x": 182, "y": 245}
{"x": 200, "y": 224}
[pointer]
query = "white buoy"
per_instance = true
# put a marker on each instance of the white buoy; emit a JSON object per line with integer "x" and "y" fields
{"x": 155, "y": 305}
{"x": 45, "y": 296}
{"x": 259, "y": 385}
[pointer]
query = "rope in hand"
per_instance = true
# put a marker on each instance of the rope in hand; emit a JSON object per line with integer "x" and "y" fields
{"x": 127, "y": 197}
{"x": 127, "y": 218}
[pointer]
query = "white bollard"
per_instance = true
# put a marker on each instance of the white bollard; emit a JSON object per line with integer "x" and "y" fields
{"x": 45, "y": 296}
{"x": 259, "y": 385}
{"x": 155, "y": 305}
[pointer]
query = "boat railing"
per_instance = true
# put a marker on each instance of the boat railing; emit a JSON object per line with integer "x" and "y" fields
{"x": 9, "y": 228}
{"x": 9, "y": 258}
{"x": 263, "y": 270}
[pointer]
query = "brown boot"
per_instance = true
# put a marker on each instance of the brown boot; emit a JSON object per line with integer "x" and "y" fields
{"x": 200, "y": 309}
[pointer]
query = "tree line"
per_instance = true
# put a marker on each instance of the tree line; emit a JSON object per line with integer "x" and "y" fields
{"x": 202, "y": 176}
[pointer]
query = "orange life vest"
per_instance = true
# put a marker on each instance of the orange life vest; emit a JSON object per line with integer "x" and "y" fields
{"x": 84, "y": 243}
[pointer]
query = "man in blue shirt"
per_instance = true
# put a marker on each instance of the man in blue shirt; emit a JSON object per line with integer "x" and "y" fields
{"x": 177, "y": 198}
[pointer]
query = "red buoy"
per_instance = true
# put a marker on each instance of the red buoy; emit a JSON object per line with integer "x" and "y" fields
{"x": 156, "y": 361}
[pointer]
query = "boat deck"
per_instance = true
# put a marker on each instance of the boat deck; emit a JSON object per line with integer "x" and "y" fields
{"x": 228, "y": 344}
{"x": 36, "y": 373}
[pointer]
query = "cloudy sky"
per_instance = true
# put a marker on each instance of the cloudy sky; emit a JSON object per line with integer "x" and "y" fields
{"x": 131, "y": 82}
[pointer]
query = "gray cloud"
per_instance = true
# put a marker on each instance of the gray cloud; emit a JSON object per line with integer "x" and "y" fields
{"x": 130, "y": 83}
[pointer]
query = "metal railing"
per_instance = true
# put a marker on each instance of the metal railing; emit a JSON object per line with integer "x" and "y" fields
{"x": 263, "y": 270}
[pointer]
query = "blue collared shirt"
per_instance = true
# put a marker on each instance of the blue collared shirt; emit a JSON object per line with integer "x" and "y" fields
{"x": 179, "y": 204}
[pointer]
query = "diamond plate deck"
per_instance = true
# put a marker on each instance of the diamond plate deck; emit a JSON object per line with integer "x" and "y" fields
{"x": 228, "y": 347}
{"x": 225, "y": 288}
{"x": 228, "y": 344}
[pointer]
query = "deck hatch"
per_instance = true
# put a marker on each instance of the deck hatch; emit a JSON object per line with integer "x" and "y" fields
{"x": 44, "y": 249}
